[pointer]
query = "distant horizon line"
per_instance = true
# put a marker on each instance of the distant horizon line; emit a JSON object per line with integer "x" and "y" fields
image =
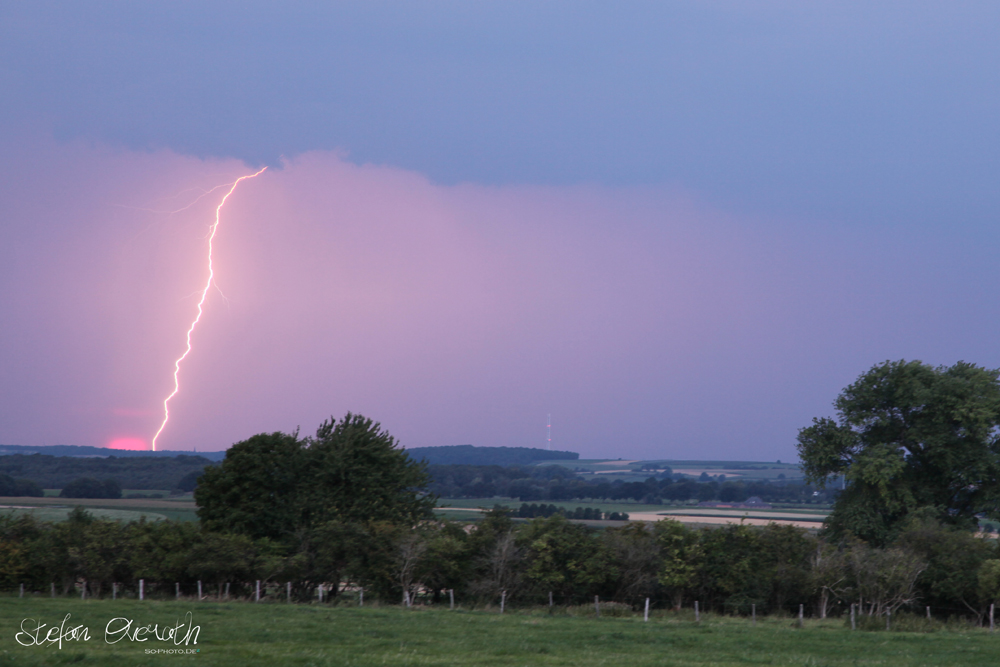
{"x": 164, "y": 452}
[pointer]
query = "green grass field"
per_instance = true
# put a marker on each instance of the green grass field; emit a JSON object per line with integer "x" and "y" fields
{"x": 242, "y": 634}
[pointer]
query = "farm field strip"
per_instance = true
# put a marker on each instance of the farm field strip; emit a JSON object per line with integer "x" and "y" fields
{"x": 460, "y": 509}
{"x": 756, "y": 514}
{"x": 62, "y": 513}
{"x": 126, "y": 509}
{"x": 124, "y": 503}
{"x": 514, "y": 504}
{"x": 722, "y": 520}
{"x": 614, "y": 506}
{"x": 695, "y": 472}
{"x": 705, "y": 518}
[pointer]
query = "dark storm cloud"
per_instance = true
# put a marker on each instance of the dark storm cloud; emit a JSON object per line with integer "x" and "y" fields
{"x": 855, "y": 111}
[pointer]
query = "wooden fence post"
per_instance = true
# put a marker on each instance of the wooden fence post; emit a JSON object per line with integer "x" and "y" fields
{"x": 697, "y": 616}
{"x": 645, "y": 614}
{"x": 21, "y": 594}
{"x": 53, "y": 589}
{"x": 199, "y": 590}
{"x": 83, "y": 590}
{"x": 800, "y": 615}
{"x": 258, "y": 591}
{"x": 142, "y": 589}
{"x": 503, "y": 600}
{"x": 753, "y": 614}
{"x": 991, "y": 616}
{"x": 227, "y": 590}
{"x": 597, "y": 606}
{"x": 888, "y": 616}
{"x": 361, "y": 598}
{"x": 928, "y": 613}
{"x": 114, "y": 591}
{"x": 288, "y": 591}
{"x": 177, "y": 590}
{"x": 550, "y": 600}
{"x": 451, "y": 598}
{"x": 853, "y": 627}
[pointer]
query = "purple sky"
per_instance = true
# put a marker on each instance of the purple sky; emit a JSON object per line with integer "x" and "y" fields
{"x": 680, "y": 231}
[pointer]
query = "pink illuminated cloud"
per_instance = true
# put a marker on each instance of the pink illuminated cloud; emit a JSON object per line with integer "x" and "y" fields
{"x": 132, "y": 412}
{"x": 646, "y": 322}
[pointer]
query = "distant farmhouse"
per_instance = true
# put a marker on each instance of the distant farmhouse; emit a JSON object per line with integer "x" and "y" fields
{"x": 751, "y": 503}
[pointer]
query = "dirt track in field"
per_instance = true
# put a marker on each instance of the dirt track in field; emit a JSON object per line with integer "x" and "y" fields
{"x": 688, "y": 518}
{"x": 750, "y": 521}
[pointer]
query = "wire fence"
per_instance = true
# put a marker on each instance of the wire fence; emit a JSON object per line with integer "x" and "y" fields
{"x": 856, "y": 615}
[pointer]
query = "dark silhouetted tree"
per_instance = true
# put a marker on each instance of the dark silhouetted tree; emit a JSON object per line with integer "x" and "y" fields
{"x": 909, "y": 436}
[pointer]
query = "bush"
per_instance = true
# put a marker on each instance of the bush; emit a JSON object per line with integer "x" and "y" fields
{"x": 28, "y": 487}
{"x": 189, "y": 482}
{"x": 88, "y": 487}
{"x": 19, "y": 487}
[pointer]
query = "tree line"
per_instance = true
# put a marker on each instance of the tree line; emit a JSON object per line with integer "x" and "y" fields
{"x": 532, "y": 484}
{"x": 730, "y": 569}
{"x": 56, "y": 472}
{"x": 19, "y": 487}
{"x": 533, "y": 510}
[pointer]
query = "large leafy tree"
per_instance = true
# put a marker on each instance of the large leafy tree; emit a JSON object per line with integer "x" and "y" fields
{"x": 258, "y": 489}
{"x": 283, "y": 487}
{"x": 356, "y": 473}
{"x": 909, "y": 436}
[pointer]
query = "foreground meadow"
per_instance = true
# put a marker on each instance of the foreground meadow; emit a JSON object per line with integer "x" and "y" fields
{"x": 242, "y": 634}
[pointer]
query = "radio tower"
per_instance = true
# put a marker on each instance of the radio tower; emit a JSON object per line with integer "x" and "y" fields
{"x": 550, "y": 432}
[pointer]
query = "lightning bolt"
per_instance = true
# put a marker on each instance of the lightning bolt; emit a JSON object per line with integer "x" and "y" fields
{"x": 201, "y": 303}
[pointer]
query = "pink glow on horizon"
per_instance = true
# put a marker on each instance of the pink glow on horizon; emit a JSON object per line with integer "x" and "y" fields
{"x": 134, "y": 444}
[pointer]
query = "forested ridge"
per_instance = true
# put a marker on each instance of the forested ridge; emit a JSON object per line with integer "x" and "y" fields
{"x": 55, "y": 472}
{"x": 502, "y": 456}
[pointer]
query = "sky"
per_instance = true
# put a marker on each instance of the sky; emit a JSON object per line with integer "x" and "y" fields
{"x": 680, "y": 228}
